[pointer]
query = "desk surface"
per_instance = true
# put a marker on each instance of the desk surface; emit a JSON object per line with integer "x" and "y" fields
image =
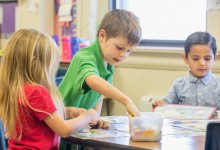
{"x": 172, "y": 138}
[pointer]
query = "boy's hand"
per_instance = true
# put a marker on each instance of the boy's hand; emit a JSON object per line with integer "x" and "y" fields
{"x": 104, "y": 124}
{"x": 132, "y": 109}
{"x": 158, "y": 103}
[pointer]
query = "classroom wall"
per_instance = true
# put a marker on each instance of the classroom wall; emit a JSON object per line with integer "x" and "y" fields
{"x": 88, "y": 18}
{"x": 213, "y": 24}
{"x": 40, "y": 14}
{"x": 36, "y": 14}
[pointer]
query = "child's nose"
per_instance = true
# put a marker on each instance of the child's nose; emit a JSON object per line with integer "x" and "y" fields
{"x": 202, "y": 62}
{"x": 122, "y": 54}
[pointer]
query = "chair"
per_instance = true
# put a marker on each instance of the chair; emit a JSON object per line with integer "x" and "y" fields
{"x": 58, "y": 80}
{"x": 61, "y": 71}
{"x": 60, "y": 74}
{"x": 2, "y": 139}
{"x": 212, "y": 141}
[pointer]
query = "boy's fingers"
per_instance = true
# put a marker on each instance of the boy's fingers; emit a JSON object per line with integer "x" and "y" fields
{"x": 104, "y": 124}
{"x": 94, "y": 125}
{"x": 160, "y": 102}
{"x": 107, "y": 124}
{"x": 155, "y": 104}
{"x": 100, "y": 123}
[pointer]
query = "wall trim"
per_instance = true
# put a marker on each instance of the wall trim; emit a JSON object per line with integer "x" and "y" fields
{"x": 159, "y": 60}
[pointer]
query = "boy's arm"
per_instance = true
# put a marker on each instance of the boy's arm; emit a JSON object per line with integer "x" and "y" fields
{"x": 172, "y": 95}
{"x": 98, "y": 106}
{"x": 103, "y": 87}
{"x": 170, "y": 98}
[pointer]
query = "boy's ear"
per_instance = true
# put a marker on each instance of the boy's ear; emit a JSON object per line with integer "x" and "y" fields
{"x": 184, "y": 58}
{"x": 102, "y": 35}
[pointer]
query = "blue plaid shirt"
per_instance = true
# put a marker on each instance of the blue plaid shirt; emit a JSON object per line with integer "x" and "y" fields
{"x": 190, "y": 90}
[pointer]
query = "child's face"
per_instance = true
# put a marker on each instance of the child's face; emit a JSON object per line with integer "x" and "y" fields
{"x": 200, "y": 60}
{"x": 114, "y": 50}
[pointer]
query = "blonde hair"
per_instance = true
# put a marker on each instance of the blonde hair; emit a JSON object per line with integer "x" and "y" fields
{"x": 29, "y": 57}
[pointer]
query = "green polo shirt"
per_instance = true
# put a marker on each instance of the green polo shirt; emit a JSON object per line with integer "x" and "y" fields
{"x": 87, "y": 61}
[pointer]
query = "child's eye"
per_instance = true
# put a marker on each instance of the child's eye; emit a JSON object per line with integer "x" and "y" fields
{"x": 119, "y": 48}
{"x": 207, "y": 59}
{"x": 195, "y": 59}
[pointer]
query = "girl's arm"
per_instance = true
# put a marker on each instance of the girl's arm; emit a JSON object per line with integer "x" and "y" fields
{"x": 65, "y": 128}
{"x": 103, "y": 87}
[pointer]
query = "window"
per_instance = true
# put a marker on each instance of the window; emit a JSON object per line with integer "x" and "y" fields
{"x": 166, "y": 22}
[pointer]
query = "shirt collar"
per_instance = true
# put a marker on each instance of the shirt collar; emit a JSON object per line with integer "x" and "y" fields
{"x": 204, "y": 79}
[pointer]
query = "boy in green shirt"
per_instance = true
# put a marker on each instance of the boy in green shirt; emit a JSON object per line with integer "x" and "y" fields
{"x": 89, "y": 76}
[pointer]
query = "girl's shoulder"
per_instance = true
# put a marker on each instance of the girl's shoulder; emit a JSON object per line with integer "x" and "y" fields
{"x": 35, "y": 89}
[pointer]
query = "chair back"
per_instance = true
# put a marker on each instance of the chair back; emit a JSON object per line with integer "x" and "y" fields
{"x": 60, "y": 74}
{"x": 212, "y": 141}
{"x": 2, "y": 138}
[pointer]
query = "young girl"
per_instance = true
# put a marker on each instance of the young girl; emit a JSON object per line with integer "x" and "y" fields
{"x": 31, "y": 109}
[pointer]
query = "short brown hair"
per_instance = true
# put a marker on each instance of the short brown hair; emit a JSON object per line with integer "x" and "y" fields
{"x": 119, "y": 22}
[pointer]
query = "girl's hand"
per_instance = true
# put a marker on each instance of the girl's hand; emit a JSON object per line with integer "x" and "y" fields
{"x": 158, "y": 103}
{"x": 104, "y": 124}
{"x": 92, "y": 115}
{"x": 75, "y": 112}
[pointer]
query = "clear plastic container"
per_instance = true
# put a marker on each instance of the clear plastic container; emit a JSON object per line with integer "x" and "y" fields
{"x": 218, "y": 114}
{"x": 148, "y": 127}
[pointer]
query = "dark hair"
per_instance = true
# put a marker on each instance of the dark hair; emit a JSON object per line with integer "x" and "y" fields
{"x": 200, "y": 38}
{"x": 119, "y": 22}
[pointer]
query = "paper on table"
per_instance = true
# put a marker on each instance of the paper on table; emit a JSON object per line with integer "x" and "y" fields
{"x": 99, "y": 133}
{"x": 172, "y": 111}
{"x": 196, "y": 125}
{"x": 116, "y": 119}
{"x": 88, "y": 133}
